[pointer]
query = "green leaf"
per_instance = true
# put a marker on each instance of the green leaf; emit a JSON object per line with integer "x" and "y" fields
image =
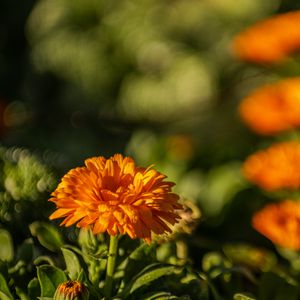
{"x": 18, "y": 268}
{"x": 6, "y": 249}
{"x": 4, "y": 290}
{"x": 34, "y": 289}
{"x": 43, "y": 259}
{"x": 47, "y": 235}
{"x": 87, "y": 239}
{"x": 72, "y": 263}
{"x": 25, "y": 251}
{"x": 162, "y": 296}
{"x": 4, "y": 296}
{"x": 240, "y": 296}
{"x": 138, "y": 259}
{"x": 254, "y": 257}
{"x": 211, "y": 286}
{"x": 146, "y": 276}
{"x": 143, "y": 251}
{"x": 155, "y": 296}
{"x": 49, "y": 278}
{"x": 4, "y": 269}
{"x": 277, "y": 286}
{"x": 214, "y": 263}
{"x": 21, "y": 293}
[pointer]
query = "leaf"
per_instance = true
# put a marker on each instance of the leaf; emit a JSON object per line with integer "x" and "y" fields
{"x": 138, "y": 259}
{"x": 254, "y": 257}
{"x": 155, "y": 296}
{"x": 146, "y": 276}
{"x": 49, "y": 278}
{"x": 47, "y": 235}
{"x": 240, "y": 296}
{"x": 34, "y": 289}
{"x": 277, "y": 286}
{"x": 72, "y": 263}
{"x": 214, "y": 263}
{"x": 6, "y": 249}
{"x": 43, "y": 259}
{"x": 4, "y": 269}
{"x": 87, "y": 239}
{"x": 21, "y": 293}
{"x": 143, "y": 251}
{"x": 162, "y": 296}
{"x": 209, "y": 283}
{"x": 25, "y": 251}
{"x": 4, "y": 296}
{"x": 4, "y": 290}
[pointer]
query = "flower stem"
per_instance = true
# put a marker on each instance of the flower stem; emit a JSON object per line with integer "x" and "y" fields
{"x": 110, "y": 267}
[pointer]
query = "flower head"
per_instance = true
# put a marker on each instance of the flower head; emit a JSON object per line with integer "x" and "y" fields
{"x": 273, "y": 108}
{"x": 280, "y": 223}
{"x": 113, "y": 195}
{"x": 190, "y": 216}
{"x": 269, "y": 40}
{"x": 71, "y": 290}
{"x": 276, "y": 167}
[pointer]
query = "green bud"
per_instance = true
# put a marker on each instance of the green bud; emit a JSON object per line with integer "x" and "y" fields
{"x": 71, "y": 290}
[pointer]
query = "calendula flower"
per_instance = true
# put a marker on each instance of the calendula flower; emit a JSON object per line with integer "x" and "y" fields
{"x": 273, "y": 108}
{"x": 115, "y": 196}
{"x": 280, "y": 223}
{"x": 270, "y": 40}
{"x": 276, "y": 167}
{"x": 71, "y": 290}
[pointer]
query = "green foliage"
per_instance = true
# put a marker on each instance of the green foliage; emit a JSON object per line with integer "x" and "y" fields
{"x": 7, "y": 249}
{"x": 72, "y": 263}
{"x": 34, "y": 289}
{"x": 47, "y": 234}
{"x": 25, "y": 183}
{"x": 4, "y": 290}
{"x": 146, "y": 276}
{"x": 251, "y": 256}
{"x": 278, "y": 286}
{"x": 242, "y": 297}
{"x": 49, "y": 278}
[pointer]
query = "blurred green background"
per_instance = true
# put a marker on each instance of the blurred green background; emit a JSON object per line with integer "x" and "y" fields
{"x": 152, "y": 79}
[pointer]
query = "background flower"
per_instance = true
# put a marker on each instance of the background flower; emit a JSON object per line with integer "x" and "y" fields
{"x": 114, "y": 195}
{"x": 280, "y": 223}
{"x": 276, "y": 167}
{"x": 269, "y": 40}
{"x": 273, "y": 108}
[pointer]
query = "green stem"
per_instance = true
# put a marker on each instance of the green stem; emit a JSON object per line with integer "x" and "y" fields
{"x": 110, "y": 267}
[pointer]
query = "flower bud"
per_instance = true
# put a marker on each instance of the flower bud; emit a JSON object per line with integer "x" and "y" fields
{"x": 190, "y": 215}
{"x": 71, "y": 290}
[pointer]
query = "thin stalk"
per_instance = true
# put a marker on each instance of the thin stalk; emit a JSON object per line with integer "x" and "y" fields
{"x": 110, "y": 267}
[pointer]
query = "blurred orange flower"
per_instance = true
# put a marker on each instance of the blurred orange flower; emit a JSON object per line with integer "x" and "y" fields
{"x": 276, "y": 167}
{"x": 273, "y": 108}
{"x": 114, "y": 195}
{"x": 280, "y": 223}
{"x": 269, "y": 40}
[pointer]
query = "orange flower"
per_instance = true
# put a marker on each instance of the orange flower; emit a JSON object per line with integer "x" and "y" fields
{"x": 269, "y": 40}
{"x": 280, "y": 223}
{"x": 114, "y": 195}
{"x": 276, "y": 167}
{"x": 273, "y": 108}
